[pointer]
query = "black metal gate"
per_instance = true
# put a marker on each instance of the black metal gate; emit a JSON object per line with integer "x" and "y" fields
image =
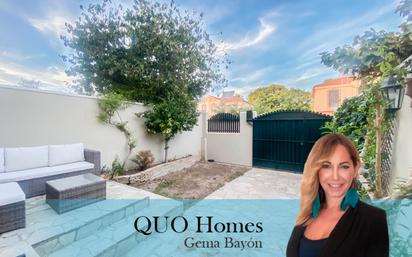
{"x": 283, "y": 139}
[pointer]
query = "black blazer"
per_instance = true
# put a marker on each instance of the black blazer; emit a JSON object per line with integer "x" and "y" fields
{"x": 361, "y": 232}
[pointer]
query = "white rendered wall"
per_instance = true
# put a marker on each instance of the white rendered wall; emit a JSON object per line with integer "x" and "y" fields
{"x": 232, "y": 147}
{"x": 30, "y": 118}
{"x": 402, "y": 148}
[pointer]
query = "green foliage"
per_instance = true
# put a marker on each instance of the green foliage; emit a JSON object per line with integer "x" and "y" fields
{"x": 170, "y": 117}
{"x": 405, "y": 10}
{"x": 363, "y": 194}
{"x": 152, "y": 53}
{"x": 144, "y": 159}
{"x": 143, "y": 53}
{"x": 175, "y": 114}
{"x": 278, "y": 97}
{"x": 372, "y": 57}
{"x": 117, "y": 167}
{"x": 351, "y": 119}
{"x": 109, "y": 107}
{"x": 356, "y": 118}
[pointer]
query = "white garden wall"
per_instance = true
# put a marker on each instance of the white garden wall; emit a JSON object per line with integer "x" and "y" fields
{"x": 402, "y": 148}
{"x": 231, "y": 147}
{"x": 32, "y": 117}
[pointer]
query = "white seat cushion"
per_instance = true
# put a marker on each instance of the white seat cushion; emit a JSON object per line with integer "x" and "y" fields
{"x": 44, "y": 171}
{"x": 62, "y": 154}
{"x": 11, "y": 193}
{"x": 1, "y": 160}
{"x": 23, "y": 158}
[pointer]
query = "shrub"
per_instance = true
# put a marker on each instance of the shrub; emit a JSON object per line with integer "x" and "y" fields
{"x": 351, "y": 119}
{"x": 117, "y": 167}
{"x": 355, "y": 119}
{"x": 144, "y": 159}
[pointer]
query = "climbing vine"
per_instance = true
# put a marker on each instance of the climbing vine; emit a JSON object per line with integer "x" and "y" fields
{"x": 351, "y": 120}
{"x": 371, "y": 58}
{"x": 110, "y": 106}
{"x": 355, "y": 118}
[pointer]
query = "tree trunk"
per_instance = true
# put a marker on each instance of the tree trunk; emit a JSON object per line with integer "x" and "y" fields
{"x": 125, "y": 160}
{"x": 378, "y": 166}
{"x": 166, "y": 147}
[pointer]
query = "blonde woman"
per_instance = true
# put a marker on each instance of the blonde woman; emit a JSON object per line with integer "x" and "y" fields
{"x": 332, "y": 221}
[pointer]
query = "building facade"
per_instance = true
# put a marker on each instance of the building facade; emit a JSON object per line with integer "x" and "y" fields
{"x": 225, "y": 103}
{"x": 329, "y": 95}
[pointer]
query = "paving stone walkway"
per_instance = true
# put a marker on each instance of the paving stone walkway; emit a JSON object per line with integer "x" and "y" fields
{"x": 45, "y": 227}
{"x": 42, "y": 222}
{"x": 261, "y": 184}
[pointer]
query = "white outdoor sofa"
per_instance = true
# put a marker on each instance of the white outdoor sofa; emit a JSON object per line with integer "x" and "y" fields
{"x": 12, "y": 207}
{"x": 32, "y": 167}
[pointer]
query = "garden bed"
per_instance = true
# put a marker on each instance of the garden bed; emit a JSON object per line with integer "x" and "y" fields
{"x": 156, "y": 171}
{"x": 194, "y": 182}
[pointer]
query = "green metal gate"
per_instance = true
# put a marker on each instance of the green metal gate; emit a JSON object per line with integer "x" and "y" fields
{"x": 283, "y": 139}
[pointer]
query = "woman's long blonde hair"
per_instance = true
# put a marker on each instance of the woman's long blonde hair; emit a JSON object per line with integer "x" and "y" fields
{"x": 310, "y": 186}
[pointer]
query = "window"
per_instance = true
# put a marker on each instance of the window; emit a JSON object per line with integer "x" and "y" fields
{"x": 333, "y": 97}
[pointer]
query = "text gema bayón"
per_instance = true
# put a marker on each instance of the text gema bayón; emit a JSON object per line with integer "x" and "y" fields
{"x": 202, "y": 224}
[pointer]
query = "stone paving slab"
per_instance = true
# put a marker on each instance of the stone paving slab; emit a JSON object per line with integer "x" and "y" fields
{"x": 261, "y": 184}
{"x": 255, "y": 184}
{"x": 42, "y": 222}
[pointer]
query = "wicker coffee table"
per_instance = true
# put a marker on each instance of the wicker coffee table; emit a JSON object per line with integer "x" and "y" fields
{"x": 70, "y": 193}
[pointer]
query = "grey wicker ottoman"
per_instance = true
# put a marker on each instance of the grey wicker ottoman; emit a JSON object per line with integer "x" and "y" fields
{"x": 70, "y": 193}
{"x": 12, "y": 207}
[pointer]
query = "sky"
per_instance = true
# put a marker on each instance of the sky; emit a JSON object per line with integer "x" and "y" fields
{"x": 267, "y": 41}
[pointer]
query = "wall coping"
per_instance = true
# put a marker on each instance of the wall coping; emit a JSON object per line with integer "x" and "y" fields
{"x": 51, "y": 92}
